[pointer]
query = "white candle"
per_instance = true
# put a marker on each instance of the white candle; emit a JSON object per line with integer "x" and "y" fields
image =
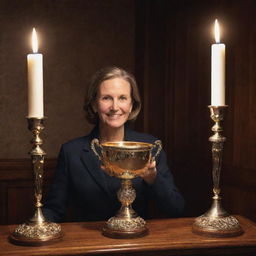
{"x": 218, "y": 70}
{"x": 35, "y": 80}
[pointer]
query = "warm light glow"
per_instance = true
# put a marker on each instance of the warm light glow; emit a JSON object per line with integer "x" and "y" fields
{"x": 217, "y": 31}
{"x": 34, "y": 41}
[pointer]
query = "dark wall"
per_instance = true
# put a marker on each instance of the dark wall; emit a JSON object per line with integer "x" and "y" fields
{"x": 77, "y": 37}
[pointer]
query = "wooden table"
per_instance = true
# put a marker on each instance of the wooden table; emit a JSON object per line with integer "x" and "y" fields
{"x": 166, "y": 237}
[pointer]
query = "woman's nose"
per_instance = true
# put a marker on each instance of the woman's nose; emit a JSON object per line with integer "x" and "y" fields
{"x": 115, "y": 105}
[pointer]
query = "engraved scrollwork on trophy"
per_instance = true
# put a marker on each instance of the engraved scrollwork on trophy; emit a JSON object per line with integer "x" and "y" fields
{"x": 126, "y": 224}
{"x": 126, "y": 194}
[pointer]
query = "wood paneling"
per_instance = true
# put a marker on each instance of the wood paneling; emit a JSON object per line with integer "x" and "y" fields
{"x": 174, "y": 71}
{"x": 17, "y": 189}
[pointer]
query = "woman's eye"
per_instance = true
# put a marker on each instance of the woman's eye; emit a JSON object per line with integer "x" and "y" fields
{"x": 123, "y": 98}
{"x": 105, "y": 97}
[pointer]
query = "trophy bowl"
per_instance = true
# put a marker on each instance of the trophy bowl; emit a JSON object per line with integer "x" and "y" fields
{"x": 125, "y": 160}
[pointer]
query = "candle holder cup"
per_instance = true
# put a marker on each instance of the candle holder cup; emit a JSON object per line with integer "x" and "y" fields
{"x": 216, "y": 222}
{"x": 37, "y": 231}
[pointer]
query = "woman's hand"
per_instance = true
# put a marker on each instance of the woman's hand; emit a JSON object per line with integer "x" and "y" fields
{"x": 150, "y": 172}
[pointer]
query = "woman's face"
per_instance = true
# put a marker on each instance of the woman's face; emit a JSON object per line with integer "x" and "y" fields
{"x": 114, "y": 103}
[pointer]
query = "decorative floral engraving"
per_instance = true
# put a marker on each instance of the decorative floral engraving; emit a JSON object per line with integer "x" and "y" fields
{"x": 126, "y": 195}
{"x": 224, "y": 223}
{"x": 126, "y": 224}
{"x": 38, "y": 230}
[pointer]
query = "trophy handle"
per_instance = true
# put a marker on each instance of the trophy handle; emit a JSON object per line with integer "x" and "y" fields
{"x": 97, "y": 143}
{"x": 157, "y": 144}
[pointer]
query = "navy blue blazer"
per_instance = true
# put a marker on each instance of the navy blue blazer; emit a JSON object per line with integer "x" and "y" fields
{"x": 91, "y": 194}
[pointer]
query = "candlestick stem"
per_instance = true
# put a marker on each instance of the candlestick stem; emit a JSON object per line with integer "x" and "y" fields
{"x": 216, "y": 221}
{"x": 37, "y": 231}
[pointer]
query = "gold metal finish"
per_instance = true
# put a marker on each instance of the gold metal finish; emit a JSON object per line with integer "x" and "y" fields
{"x": 37, "y": 231}
{"x": 216, "y": 222}
{"x": 125, "y": 160}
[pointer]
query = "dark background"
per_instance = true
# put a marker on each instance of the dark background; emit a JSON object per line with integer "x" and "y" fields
{"x": 166, "y": 44}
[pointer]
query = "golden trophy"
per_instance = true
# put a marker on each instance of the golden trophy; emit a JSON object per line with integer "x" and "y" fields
{"x": 125, "y": 160}
{"x": 217, "y": 222}
{"x": 37, "y": 231}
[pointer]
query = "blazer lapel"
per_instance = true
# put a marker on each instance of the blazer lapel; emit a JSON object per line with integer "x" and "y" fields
{"x": 92, "y": 163}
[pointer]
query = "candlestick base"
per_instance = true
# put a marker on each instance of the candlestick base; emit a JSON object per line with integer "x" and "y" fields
{"x": 36, "y": 234}
{"x": 217, "y": 222}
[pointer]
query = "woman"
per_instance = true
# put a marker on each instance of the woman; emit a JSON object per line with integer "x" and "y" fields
{"x": 82, "y": 185}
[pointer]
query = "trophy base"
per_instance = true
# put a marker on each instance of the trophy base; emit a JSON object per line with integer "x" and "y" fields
{"x": 36, "y": 234}
{"x": 125, "y": 228}
{"x": 220, "y": 226}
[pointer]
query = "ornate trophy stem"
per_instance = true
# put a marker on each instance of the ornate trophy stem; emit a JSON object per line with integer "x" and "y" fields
{"x": 126, "y": 195}
{"x": 126, "y": 223}
{"x": 37, "y": 231}
{"x": 216, "y": 221}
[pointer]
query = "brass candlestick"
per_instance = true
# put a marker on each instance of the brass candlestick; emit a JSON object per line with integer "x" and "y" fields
{"x": 37, "y": 230}
{"x": 216, "y": 222}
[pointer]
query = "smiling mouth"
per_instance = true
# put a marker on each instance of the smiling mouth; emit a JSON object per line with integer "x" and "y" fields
{"x": 114, "y": 116}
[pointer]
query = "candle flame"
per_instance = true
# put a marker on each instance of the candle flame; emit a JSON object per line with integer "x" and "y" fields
{"x": 34, "y": 41}
{"x": 217, "y": 31}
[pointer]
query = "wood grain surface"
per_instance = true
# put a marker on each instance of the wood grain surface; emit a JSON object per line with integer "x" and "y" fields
{"x": 166, "y": 237}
